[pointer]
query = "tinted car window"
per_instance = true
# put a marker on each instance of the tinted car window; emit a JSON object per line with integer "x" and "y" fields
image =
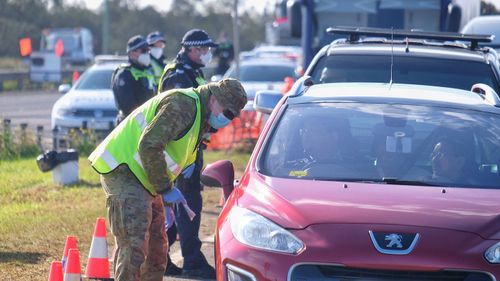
{"x": 382, "y": 142}
{"x": 95, "y": 80}
{"x": 410, "y": 70}
{"x": 264, "y": 73}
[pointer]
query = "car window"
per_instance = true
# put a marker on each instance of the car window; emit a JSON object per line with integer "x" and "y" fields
{"x": 451, "y": 73}
{"x": 95, "y": 80}
{"x": 263, "y": 73}
{"x": 378, "y": 142}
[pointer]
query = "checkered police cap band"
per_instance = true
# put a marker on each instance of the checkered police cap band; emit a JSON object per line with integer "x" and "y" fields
{"x": 207, "y": 42}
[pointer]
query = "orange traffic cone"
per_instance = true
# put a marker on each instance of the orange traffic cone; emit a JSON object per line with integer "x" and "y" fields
{"x": 56, "y": 272}
{"x": 73, "y": 270}
{"x": 98, "y": 262}
{"x": 70, "y": 244}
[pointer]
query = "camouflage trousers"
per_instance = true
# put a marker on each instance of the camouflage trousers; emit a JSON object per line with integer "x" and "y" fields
{"x": 137, "y": 220}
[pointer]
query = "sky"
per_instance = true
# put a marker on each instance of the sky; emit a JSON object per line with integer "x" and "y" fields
{"x": 163, "y": 5}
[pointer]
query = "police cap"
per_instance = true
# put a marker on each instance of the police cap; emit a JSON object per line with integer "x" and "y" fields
{"x": 136, "y": 42}
{"x": 154, "y": 37}
{"x": 230, "y": 94}
{"x": 198, "y": 38}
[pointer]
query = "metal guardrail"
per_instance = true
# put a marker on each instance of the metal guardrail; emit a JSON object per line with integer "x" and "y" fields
{"x": 20, "y": 80}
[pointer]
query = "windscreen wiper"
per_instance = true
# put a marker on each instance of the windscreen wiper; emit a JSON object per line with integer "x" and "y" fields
{"x": 406, "y": 182}
{"x": 383, "y": 180}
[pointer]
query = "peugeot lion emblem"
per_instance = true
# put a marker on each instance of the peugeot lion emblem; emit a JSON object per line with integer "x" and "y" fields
{"x": 394, "y": 243}
{"x": 394, "y": 240}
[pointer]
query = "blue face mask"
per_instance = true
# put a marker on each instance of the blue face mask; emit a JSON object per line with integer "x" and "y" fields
{"x": 218, "y": 121}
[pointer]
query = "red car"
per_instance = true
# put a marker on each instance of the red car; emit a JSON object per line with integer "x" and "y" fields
{"x": 354, "y": 181}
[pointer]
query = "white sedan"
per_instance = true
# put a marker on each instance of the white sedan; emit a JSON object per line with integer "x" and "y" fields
{"x": 89, "y": 103}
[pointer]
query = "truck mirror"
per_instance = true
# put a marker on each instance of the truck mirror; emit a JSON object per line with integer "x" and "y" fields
{"x": 294, "y": 11}
{"x": 454, "y": 18}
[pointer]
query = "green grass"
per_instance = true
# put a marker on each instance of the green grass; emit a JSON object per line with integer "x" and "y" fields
{"x": 36, "y": 215}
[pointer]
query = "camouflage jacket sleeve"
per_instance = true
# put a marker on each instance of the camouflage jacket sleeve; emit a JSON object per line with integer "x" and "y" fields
{"x": 174, "y": 116}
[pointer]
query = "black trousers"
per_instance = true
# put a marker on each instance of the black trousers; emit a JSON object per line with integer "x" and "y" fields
{"x": 188, "y": 230}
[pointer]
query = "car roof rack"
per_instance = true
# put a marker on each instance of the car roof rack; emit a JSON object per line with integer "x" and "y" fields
{"x": 356, "y": 32}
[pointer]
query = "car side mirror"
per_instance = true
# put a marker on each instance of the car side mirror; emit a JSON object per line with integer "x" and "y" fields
{"x": 216, "y": 78}
{"x": 219, "y": 174}
{"x": 64, "y": 88}
{"x": 266, "y": 100}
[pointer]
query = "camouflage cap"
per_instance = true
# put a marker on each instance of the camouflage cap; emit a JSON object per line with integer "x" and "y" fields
{"x": 230, "y": 94}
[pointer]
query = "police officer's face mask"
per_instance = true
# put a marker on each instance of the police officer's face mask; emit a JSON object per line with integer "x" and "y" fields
{"x": 144, "y": 59}
{"x": 156, "y": 52}
{"x": 206, "y": 58}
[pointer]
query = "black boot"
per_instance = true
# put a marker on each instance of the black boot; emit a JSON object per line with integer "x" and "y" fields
{"x": 172, "y": 269}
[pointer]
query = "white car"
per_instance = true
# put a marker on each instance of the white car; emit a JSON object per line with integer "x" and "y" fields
{"x": 485, "y": 25}
{"x": 273, "y": 51}
{"x": 89, "y": 103}
{"x": 262, "y": 74}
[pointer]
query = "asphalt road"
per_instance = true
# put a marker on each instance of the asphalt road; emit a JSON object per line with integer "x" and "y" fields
{"x": 28, "y": 107}
{"x": 34, "y": 108}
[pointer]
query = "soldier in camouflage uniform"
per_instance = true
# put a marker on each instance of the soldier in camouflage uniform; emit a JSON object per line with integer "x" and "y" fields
{"x": 140, "y": 160}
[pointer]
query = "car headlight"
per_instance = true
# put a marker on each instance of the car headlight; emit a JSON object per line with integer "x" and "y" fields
{"x": 255, "y": 230}
{"x": 492, "y": 255}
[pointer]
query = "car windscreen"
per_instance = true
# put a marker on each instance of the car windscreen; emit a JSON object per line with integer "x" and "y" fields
{"x": 95, "y": 80}
{"x": 389, "y": 143}
{"x": 263, "y": 73}
{"x": 69, "y": 41}
{"x": 451, "y": 73}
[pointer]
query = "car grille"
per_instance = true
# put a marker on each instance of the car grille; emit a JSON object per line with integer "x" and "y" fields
{"x": 94, "y": 113}
{"x": 325, "y": 273}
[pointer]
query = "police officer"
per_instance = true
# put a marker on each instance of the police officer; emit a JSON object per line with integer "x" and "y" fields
{"x": 133, "y": 82}
{"x": 156, "y": 43}
{"x": 186, "y": 72}
{"x": 141, "y": 158}
{"x": 224, "y": 54}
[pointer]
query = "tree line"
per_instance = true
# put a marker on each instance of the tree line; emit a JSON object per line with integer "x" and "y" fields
{"x": 27, "y": 18}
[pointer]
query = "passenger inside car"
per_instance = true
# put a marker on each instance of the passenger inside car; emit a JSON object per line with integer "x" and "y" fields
{"x": 451, "y": 163}
{"x": 331, "y": 75}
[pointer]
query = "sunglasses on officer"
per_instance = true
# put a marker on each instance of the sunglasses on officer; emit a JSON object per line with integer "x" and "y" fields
{"x": 203, "y": 50}
{"x": 142, "y": 50}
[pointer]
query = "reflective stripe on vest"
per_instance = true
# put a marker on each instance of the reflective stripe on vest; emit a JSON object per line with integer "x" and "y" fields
{"x": 145, "y": 73}
{"x": 121, "y": 146}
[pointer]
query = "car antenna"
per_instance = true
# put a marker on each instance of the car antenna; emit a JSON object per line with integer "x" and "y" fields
{"x": 392, "y": 54}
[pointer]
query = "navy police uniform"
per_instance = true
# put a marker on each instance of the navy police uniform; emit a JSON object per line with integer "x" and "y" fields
{"x": 185, "y": 73}
{"x": 132, "y": 83}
